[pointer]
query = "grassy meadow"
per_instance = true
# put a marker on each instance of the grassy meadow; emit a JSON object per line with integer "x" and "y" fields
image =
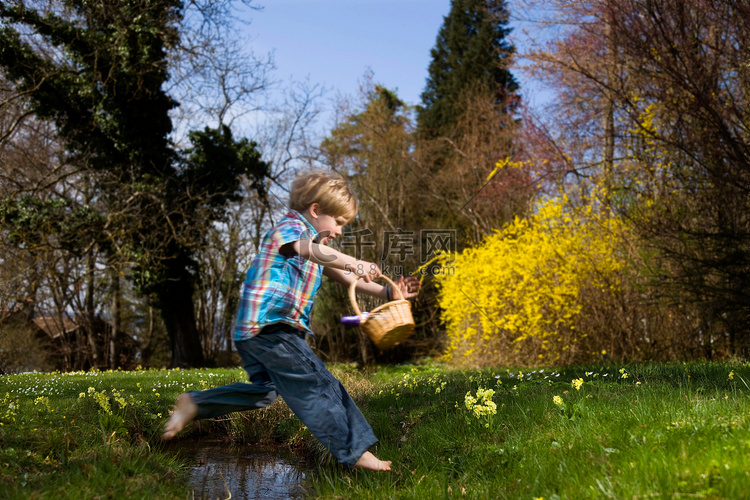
{"x": 603, "y": 431}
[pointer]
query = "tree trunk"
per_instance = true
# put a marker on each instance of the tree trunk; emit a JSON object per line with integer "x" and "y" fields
{"x": 364, "y": 348}
{"x": 608, "y": 124}
{"x": 91, "y": 309}
{"x": 116, "y": 321}
{"x": 178, "y": 313}
{"x": 147, "y": 348}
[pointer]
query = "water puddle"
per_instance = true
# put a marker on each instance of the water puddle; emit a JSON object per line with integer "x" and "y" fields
{"x": 247, "y": 472}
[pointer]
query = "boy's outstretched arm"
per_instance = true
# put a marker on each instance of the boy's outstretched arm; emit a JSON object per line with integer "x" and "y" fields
{"x": 331, "y": 258}
{"x": 344, "y": 268}
{"x": 409, "y": 287}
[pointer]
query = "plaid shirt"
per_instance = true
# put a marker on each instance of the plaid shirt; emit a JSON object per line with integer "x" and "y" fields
{"x": 279, "y": 288}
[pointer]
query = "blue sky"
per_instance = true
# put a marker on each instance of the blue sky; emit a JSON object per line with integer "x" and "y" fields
{"x": 334, "y": 42}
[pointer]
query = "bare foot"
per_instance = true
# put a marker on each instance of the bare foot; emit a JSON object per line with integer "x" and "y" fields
{"x": 185, "y": 411}
{"x": 368, "y": 461}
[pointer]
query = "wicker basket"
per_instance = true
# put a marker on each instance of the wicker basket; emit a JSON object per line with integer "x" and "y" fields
{"x": 387, "y": 325}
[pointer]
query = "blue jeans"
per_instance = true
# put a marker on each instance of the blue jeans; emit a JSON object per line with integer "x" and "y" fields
{"x": 279, "y": 362}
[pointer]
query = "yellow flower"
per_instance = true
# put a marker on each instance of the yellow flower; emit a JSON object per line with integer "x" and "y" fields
{"x": 518, "y": 298}
{"x": 577, "y": 383}
{"x": 482, "y": 404}
{"x": 557, "y": 400}
{"x": 731, "y": 375}
{"x": 103, "y": 401}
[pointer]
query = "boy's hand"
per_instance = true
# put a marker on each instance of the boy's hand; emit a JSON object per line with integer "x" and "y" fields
{"x": 368, "y": 271}
{"x": 409, "y": 287}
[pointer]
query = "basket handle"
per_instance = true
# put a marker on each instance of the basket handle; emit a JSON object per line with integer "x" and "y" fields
{"x": 353, "y": 293}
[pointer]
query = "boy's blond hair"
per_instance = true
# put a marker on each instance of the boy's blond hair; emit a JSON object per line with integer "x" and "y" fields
{"x": 327, "y": 189}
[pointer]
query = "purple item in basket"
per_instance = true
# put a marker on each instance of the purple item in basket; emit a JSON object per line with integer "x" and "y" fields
{"x": 353, "y": 320}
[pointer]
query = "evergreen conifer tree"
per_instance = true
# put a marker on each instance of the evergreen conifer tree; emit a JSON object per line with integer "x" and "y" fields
{"x": 471, "y": 50}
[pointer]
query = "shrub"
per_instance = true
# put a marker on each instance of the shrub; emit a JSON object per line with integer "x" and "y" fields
{"x": 516, "y": 296}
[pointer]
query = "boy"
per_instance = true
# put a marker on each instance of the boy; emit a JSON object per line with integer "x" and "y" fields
{"x": 273, "y": 319}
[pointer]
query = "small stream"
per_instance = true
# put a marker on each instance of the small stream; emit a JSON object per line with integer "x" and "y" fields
{"x": 248, "y": 472}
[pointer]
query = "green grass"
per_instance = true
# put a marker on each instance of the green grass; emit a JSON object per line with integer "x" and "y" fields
{"x": 92, "y": 435}
{"x": 633, "y": 431}
{"x": 650, "y": 431}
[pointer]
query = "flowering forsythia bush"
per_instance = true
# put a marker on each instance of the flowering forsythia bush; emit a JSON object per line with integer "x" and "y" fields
{"x": 520, "y": 290}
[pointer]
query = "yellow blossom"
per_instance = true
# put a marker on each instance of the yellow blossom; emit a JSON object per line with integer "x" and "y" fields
{"x": 557, "y": 400}
{"x": 481, "y": 405}
{"x": 537, "y": 293}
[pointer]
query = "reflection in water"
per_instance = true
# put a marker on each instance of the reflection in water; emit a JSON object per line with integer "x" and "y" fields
{"x": 248, "y": 472}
